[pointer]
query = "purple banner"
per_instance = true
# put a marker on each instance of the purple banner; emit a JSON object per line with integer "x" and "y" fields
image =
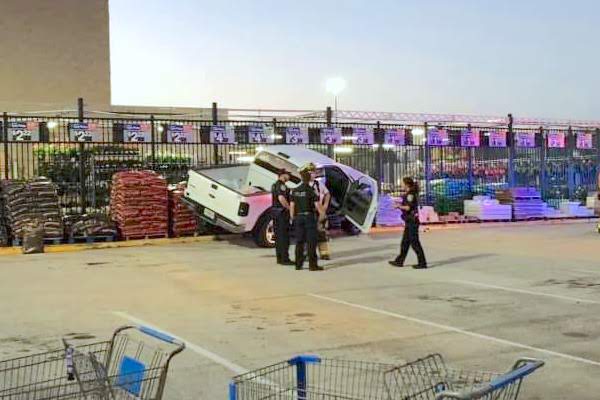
{"x": 438, "y": 137}
{"x": 525, "y": 139}
{"x": 470, "y": 138}
{"x": 584, "y": 141}
{"x": 395, "y": 137}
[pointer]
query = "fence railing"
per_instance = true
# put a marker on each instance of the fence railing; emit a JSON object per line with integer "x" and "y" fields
{"x": 449, "y": 172}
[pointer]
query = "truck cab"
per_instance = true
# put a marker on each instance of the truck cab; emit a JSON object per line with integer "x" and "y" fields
{"x": 238, "y": 199}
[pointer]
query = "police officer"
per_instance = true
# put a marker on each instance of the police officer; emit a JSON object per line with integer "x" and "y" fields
{"x": 281, "y": 217}
{"x": 410, "y": 215}
{"x": 304, "y": 208}
{"x": 324, "y": 199}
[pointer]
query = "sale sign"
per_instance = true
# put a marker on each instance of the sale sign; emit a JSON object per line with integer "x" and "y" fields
{"x": 395, "y": 137}
{"x": 24, "y": 131}
{"x": 497, "y": 138}
{"x": 525, "y": 139}
{"x": 137, "y": 133}
{"x": 296, "y": 135}
{"x": 331, "y": 135}
{"x": 261, "y": 134}
{"x": 363, "y": 136}
{"x": 180, "y": 133}
{"x": 584, "y": 140}
{"x": 222, "y": 134}
{"x": 84, "y": 132}
{"x": 556, "y": 140}
{"x": 438, "y": 137}
{"x": 470, "y": 138}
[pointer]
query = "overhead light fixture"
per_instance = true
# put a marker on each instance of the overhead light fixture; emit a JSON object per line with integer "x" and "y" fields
{"x": 418, "y": 131}
{"x": 335, "y": 85}
{"x": 52, "y": 124}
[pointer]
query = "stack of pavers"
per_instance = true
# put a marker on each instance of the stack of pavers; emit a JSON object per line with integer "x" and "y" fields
{"x": 33, "y": 203}
{"x": 91, "y": 228}
{"x": 138, "y": 204}
{"x": 182, "y": 218}
{"x": 526, "y": 201}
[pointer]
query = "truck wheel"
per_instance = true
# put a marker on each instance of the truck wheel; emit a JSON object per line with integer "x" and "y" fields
{"x": 349, "y": 228}
{"x": 264, "y": 232}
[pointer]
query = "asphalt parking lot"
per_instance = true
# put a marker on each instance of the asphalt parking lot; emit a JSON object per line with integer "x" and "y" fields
{"x": 493, "y": 295}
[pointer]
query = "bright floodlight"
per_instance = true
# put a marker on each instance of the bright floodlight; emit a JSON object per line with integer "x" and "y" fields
{"x": 336, "y": 85}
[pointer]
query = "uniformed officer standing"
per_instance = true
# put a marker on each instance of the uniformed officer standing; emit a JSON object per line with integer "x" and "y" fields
{"x": 304, "y": 208}
{"x": 281, "y": 218}
{"x": 410, "y": 215}
{"x": 324, "y": 199}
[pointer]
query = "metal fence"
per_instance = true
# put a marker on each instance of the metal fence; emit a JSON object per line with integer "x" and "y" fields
{"x": 448, "y": 174}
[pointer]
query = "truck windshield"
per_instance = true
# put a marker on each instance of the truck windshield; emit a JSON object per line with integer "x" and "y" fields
{"x": 275, "y": 163}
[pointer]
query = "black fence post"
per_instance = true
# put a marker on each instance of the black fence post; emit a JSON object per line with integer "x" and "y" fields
{"x": 379, "y": 139}
{"x": 543, "y": 189}
{"x": 571, "y": 146}
{"x": 5, "y": 137}
{"x": 275, "y": 131}
{"x": 427, "y": 166}
{"x": 470, "y": 176}
{"x": 153, "y": 143}
{"x": 215, "y": 121}
{"x": 328, "y": 119}
{"x": 82, "y": 161}
{"x": 511, "y": 152}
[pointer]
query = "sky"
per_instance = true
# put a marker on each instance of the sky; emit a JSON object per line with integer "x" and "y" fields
{"x": 536, "y": 58}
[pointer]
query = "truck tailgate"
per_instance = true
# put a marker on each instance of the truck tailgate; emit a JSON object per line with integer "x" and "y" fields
{"x": 213, "y": 195}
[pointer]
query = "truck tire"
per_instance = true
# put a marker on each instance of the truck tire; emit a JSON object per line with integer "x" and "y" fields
{"x": 349, "y": 228}
{"x": 264, "y": 232}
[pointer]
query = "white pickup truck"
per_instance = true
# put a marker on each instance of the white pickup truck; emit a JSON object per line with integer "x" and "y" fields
{"x": 238, "y": 199}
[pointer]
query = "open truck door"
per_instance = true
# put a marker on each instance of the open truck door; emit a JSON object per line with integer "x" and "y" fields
{"x": 360, "y": 203}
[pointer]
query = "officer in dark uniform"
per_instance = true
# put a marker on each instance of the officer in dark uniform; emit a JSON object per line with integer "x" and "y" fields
{"x": 304, "y": 208}
{"x": 281, "y": 218}
{"x": 410, "y": 215}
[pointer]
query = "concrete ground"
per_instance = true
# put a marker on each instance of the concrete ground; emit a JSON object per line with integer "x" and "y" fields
{"x": 494, "y": 294}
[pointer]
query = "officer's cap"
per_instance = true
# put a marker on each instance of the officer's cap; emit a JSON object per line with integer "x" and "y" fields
{"x": 308, "y": 167}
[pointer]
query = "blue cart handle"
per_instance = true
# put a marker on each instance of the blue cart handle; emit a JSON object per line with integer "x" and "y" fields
{"x": 159, "y": 335}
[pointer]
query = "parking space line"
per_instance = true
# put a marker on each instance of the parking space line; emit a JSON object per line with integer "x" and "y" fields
{"x": 453, "y": 329}
{"x": 237, "y": 369}
{"x": 524, "y": 291}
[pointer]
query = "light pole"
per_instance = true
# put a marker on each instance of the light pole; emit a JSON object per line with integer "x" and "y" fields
{"x": 335, "y": 86}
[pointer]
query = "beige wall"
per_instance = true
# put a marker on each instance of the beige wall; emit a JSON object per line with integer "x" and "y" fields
{"x": 53, "y": 51}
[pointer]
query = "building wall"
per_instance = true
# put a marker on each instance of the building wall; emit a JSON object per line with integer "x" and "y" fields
{"x": 52, "y": 52}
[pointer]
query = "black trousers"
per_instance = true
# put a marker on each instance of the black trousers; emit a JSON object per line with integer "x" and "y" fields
{"x": 410, "y": 238}
{"x": 305, "y": 230}
{"x": 281, "y": 223}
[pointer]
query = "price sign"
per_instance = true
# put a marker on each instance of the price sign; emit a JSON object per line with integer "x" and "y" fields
{"x": 556, "y": 140}
{"x": 222, "y": 134}
{"x": 470, "y": 138}
{"x": 331, "y": 135}
{"x": 438, "y": 137}
{"x": 24, "y": 131}
{"x": 261, "y": 134}
{"x": 363, "y": 136}
{"x": 395, "y": 137}
{"x": 84, "y": 132}
{"x": 296, "y": 135}
{"x": 525, "y": 139}
{"x": 180, "y": 133}
{"x": 137, "y": 133}
{"x": 497, "y": 138}
{"x": 584, "y": 141}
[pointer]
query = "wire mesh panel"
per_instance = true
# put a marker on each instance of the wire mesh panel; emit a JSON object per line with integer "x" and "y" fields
{"x": 429, "y": 378}
{"x": 313, "y": 378}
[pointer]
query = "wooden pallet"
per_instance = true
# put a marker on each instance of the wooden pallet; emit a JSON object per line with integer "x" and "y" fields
{"x": 17, "y": 242}
{"x": 91, "y": 239}
{"x": 145, "y": 237}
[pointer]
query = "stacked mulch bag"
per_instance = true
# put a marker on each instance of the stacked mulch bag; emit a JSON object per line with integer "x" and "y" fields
{"x": 183, "y": 220}
{"x": 32, "y": 203}
{"x": 138, "y": 204}
{"x": 90, "y": 226}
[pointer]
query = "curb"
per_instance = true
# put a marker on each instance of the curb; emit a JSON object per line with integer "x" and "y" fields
{"x": 70, "y": 248}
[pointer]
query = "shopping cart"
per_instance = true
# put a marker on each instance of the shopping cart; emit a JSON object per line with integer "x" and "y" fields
{"x": 132, "y": 365}
{"x": 430, "y": 378}
{"x": 312, "y": 378}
